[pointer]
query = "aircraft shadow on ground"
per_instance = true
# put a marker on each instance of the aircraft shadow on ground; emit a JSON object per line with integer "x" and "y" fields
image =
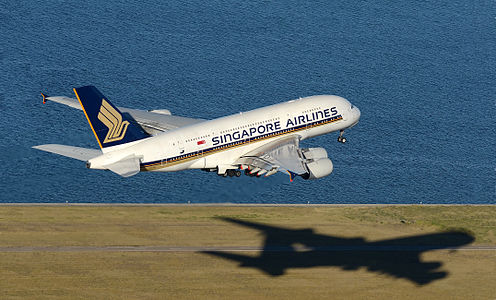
{"x": 303, "y": 248}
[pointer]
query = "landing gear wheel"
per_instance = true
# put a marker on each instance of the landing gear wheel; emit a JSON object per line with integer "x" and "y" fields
{"x": 341, "y": 138}
{"x": 238, "y": 173}
{"x": 231, "y": 172}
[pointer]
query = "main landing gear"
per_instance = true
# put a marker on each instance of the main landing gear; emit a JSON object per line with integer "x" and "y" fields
{"x": 341, "y": 138}
{"x": 251, "y": 172}
{"x": 237, "y": 173}
{"x": 231, "y": 173}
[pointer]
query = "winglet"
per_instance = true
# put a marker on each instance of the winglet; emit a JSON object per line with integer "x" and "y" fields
{"x": 292, "y": 176}
{"x": 44, "y": 97}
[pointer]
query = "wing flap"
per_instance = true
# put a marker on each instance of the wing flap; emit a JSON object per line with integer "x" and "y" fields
{"x": 70, "y": 151}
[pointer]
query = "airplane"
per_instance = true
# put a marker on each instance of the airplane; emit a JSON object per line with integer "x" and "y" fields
{"x": 285, "y": 248}
{"x": 259, "y": 142}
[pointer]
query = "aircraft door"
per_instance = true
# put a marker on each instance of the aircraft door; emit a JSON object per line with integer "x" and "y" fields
{"x": 180, "y": 147}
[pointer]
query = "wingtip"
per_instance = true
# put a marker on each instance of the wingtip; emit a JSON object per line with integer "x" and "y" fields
{"x": 40, "y": 147}
{"x": 44, "y": 97}
{"x": 291, "y": 176}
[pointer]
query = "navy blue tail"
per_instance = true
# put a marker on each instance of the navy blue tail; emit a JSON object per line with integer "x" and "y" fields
{"x": 110, "y": 126}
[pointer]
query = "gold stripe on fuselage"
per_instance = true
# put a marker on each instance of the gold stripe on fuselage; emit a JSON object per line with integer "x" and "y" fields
{"x": 172, "y": 162}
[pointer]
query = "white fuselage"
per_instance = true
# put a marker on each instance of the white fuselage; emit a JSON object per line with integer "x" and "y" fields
{"x": 222, "y": 141}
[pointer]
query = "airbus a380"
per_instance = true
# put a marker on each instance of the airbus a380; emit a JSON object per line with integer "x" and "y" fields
{"x": 260, "y": 142}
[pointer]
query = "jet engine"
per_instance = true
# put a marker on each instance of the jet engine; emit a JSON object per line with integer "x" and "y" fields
{"x": 317, "y": 163}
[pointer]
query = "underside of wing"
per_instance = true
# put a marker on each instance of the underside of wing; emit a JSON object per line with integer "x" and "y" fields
{"x": 153, "y": 122}
{"x": 282, "y": 155}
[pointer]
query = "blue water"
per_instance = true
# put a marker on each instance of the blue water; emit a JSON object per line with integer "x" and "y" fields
{"x": 423, "y": 73}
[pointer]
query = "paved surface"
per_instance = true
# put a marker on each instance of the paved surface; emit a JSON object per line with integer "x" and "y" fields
{"x": 234, "y": 204}
{"x": 238, "y": 248}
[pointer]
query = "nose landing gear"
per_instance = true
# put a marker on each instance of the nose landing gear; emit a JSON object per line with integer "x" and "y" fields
{"x": 341, "y": 138}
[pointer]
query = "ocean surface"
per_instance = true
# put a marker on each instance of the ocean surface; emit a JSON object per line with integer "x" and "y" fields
{"x": 423, "y": 74}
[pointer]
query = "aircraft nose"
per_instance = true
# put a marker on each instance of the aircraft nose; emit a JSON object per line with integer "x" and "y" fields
{"x": 356, "y": 114}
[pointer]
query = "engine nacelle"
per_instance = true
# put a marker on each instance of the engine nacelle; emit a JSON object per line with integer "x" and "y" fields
{"x": 314, "y": 153}
{"x": 318, "y": 168}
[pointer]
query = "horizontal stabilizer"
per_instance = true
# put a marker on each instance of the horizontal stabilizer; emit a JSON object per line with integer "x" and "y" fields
{"x": 70, "y": 151}
{"x": 126, "y": 167}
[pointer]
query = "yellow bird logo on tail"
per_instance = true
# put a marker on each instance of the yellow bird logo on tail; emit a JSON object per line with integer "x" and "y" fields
{"x": 113, "y": 120}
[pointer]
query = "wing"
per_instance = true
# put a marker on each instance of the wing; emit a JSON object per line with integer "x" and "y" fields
{"x": 282, "y": 155}
{"x": 153, "y": 122}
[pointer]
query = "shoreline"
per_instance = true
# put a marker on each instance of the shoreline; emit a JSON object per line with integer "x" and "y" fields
{"x": 228, "y": 204}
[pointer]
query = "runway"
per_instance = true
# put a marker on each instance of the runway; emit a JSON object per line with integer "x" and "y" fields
{"x": 195, "y": 251}
{"x": 229, "y": 204}
{"x": 242, "y": 249}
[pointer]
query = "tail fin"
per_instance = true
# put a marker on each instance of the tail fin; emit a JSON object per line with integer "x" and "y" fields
{"x": 109, "y": 125}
